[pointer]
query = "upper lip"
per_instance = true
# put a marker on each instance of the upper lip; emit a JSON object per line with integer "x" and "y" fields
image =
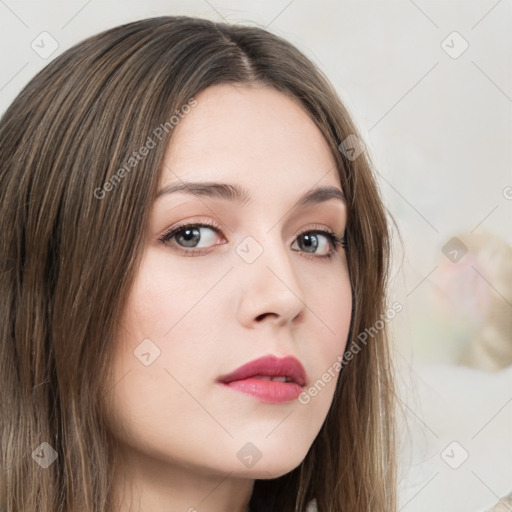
{"x": 269, "y": 366}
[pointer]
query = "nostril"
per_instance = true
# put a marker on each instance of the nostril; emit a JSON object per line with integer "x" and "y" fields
{"x": 263, "y": 315}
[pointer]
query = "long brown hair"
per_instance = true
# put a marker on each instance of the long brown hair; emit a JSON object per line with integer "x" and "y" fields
{"x": 73, "y": 226}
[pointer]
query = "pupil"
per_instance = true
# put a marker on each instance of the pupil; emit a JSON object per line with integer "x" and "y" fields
{"x": 189, "y": 236}
{"x": 311, "y": 241}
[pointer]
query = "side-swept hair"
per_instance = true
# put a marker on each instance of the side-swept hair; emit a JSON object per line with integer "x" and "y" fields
{"x": 68, "y": 258}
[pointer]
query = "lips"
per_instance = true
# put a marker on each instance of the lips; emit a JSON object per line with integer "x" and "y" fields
{"x": 270, "y": 379}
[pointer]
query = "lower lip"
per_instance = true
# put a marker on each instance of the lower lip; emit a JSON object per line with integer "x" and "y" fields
{"x": 270, "y": 391}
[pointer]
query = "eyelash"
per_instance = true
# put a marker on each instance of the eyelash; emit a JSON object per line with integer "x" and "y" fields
{"x": 335, "y": 241}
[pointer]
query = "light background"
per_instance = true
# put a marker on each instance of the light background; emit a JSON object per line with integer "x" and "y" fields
{"x": 439, "y": 130}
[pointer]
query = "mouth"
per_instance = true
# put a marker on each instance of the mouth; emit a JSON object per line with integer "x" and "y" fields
{"x": 269, "y": 379}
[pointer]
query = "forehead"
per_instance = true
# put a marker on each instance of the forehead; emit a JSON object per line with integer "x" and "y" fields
{"x": 252, "y": 135}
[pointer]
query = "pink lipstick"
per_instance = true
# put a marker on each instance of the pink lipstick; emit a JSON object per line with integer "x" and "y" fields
{"x": 269, "y": 379}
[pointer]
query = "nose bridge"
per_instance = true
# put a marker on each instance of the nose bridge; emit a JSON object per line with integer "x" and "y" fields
{"x": 268, "y": 280}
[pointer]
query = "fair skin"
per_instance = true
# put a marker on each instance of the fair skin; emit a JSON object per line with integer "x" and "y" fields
{"x": 178, "y": 429}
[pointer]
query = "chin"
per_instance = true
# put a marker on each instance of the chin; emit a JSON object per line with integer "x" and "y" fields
{"x": 269, "y": 469}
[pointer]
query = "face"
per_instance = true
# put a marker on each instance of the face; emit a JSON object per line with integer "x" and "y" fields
{"x": 254, "y": 279}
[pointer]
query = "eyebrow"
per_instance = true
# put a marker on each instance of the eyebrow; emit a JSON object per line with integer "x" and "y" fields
{"x": 241, "y": 195}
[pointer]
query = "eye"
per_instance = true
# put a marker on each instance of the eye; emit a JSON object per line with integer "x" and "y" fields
{"x": 191, "y": 240}
{"x": 320, "y": 242}
{"x": 192, "y": 237}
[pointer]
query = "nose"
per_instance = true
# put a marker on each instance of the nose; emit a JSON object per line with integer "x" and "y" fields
{"x": 270, "y": 290}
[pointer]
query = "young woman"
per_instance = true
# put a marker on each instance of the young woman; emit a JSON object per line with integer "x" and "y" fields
{"x": 193, "y": 271}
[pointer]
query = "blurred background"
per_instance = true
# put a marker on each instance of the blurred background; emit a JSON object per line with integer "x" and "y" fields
{"x": 429, "y": 85}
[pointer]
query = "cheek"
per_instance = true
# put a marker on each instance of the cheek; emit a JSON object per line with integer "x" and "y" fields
{"x": 329, "y": 305}
{"x": 156, "y": 333}
{"x": 164, "y": 294}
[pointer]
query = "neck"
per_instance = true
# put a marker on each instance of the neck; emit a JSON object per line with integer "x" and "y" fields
{"x": 141, "y": 483}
